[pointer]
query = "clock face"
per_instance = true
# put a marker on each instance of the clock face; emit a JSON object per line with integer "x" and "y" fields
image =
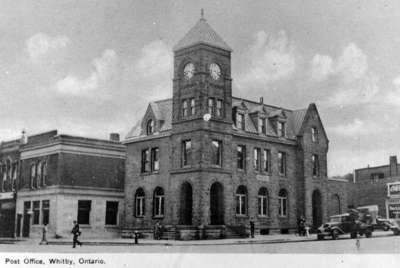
{"x": 215, "y": 71}
{"x": 188, "y": 71}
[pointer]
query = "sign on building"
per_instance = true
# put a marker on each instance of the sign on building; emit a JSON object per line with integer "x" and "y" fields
{"x": 393, "y": 189}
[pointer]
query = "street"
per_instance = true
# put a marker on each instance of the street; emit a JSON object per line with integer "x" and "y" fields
{"x": 344, "y": 245}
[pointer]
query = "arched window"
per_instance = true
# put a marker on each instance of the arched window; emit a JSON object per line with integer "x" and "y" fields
{"x": 33, "y": 175}
{"x": 158, "y": 202}
{"x": 282, "y": 199}
{"x": 241, "y": 200}
{"x": 150, "y": 127}
{"x": 139, "y": 202}
{"x": 263, "y": 202}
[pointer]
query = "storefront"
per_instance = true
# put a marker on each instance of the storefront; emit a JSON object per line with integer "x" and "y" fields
{"x": 393, "y": 200}
{"x": 7, "y": 214}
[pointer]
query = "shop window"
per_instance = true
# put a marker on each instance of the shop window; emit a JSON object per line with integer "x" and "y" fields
{"x": 111, "y": 212}
{"x": 36, "y": 212}
{"x": 45, "y": 211}
{"x": 84, "y": 207}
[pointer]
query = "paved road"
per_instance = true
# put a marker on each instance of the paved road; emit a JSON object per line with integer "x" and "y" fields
{"x": 386, "y": 244}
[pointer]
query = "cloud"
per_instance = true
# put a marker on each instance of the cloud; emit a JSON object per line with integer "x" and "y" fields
{"x": 155, "y": 59}
{"x": 321, "y": 67}
{"x": 104, "y": 68}
{"x": 40, "y": 44}
{"x": 393, "y": 96}
{"x": 362, "y": 91}
{"x": 348, "y": 77}
{"x": 272, "y": 58}
{"x": 351, "y": 65}
{"x": 357, "y": 128}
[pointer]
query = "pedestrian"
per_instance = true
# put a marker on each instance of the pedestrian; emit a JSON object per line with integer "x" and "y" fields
{"x": 358, "y": 243}
{"x": 157, "y": 230}
{"x": 252, "y": 228}
{"x": 76, "y": 232}
{"x": 44, "y": 235}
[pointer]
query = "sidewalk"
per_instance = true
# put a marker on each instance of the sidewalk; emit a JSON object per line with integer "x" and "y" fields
{"x": 258, "y": 239}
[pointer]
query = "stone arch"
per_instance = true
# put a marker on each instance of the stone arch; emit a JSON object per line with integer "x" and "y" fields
{"x": 316, "y": 208}
{"x": 216, "y": 204}
{"x": 186, "y": 204}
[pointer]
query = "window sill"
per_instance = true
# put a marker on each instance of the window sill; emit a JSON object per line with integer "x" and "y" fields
{"x": 241, "y": 216}
{"x": 85, "y": 226}
{"x": 158, "y": 217}
{"x": 111, "y": 226}
{"x": 263, "y": 216}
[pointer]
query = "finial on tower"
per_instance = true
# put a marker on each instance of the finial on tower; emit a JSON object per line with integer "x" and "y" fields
{"x": 202, "y": 14}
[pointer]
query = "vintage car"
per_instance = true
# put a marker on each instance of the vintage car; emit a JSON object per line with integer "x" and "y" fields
{"x": 384, "y": 224}
{"x": 344, "y": 224}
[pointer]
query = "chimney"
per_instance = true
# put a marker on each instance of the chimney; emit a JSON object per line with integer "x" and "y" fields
{"x": 393, "y": 166}
{"x": 261, "y": 100}
{"x": 114, "y": 137}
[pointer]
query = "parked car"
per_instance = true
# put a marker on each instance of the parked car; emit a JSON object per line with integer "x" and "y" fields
{"x": 344, "y": 224}
{"x": 384, "y": 224}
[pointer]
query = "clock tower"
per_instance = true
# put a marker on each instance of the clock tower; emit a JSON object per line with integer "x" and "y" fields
{"x": 202, "y": 89}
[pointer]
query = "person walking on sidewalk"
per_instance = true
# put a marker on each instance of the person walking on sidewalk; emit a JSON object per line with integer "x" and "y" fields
{"x": 44, "y": 235}
{"x": 76, "y": 232}
{"x": 252, "y": 228}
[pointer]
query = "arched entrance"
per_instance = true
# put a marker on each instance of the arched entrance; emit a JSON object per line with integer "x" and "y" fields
{"x": 316, "y": 209}
{"x": 216, "y": 204}
{"x": 186, "y": 203}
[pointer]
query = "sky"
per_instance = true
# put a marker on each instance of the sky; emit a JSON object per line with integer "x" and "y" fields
{"x": 90, "y": 68}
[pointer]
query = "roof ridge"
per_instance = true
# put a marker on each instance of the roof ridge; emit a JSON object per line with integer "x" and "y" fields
{"x": 268, "y": 105}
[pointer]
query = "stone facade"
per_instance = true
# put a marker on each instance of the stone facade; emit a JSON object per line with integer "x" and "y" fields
{"x": 203, "y": 191}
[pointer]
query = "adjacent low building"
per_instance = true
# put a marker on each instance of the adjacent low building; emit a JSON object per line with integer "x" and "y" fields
{"x": 65, "y": 178}
{"x": 379, "y": 185}
{"x": 9, "y": 170}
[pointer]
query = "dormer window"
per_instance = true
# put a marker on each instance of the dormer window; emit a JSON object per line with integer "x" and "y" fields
{"x": 281, "y": 129}
{"x": 240, "y": 121}
{"x": 314, "y": 134}
{"x": 262, "y": 126}
{"x": 150, "y": 127}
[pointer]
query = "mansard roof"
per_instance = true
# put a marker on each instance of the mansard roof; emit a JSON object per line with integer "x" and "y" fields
{"x": 202, "y": 33}
{"x": 162, "y": 111}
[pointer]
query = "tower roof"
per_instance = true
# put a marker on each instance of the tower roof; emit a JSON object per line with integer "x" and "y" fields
{"x": 202, "y": 33}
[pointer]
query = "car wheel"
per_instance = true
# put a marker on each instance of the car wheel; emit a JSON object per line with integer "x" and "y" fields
{"x": 335, "y": 234}
{"x": 368, "y": 234}
{"x": 320, "y": 237}
{"x": 386, "y": 228}
{"x": 353, "y": 235}
{"x": 396, "y": 232}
